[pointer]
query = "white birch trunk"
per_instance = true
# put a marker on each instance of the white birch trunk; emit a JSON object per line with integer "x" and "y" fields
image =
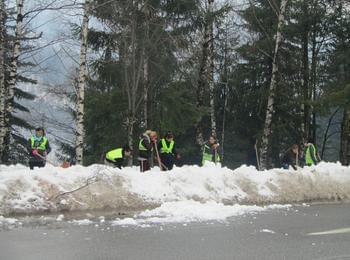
{"x": 146, "y": 69}
{"x": 80, "y": 131}
{"x": 2, "y": 77}
{"x": 202, "y": 81}
{"x": 305, "y": 107}
{"x": 265, "y": 142}
{"x": 9, "y": 96}
{"x": 145, "y": 93}
{"x": 133, "y": 78}
{"x": 210, "y": 67}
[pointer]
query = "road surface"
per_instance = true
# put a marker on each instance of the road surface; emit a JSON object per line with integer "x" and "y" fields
{"x": 314, "y": 232}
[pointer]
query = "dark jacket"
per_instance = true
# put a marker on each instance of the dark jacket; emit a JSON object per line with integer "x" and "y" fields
{"x": 147, "y": 143}
{"x": 35, "y": 158}
{"x": 289, "y": 158}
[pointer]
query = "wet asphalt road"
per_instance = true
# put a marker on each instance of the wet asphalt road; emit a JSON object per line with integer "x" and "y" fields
{"x": 279, "y": 234}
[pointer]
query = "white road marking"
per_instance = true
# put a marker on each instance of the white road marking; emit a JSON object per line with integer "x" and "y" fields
{"x": 331, "y": 232}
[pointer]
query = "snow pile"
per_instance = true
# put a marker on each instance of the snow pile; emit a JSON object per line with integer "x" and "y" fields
{"x": 82, "y": 222}
{"x": 7, "y": 221}
{"x": 173, "y": 194}
{"x": 192, "y": 211}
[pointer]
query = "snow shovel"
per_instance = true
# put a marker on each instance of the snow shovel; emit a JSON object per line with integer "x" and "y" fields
{"x": 65, "y": 164}
{"x": 161, "y": 165}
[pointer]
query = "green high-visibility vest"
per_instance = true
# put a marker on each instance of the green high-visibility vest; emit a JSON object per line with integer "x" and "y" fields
{"x": 207, "y": 156}
{"x": 39, "y": 145}
{"x": 165, "y": 148}
{"x": 308, "y": 155}
{"x": 142, "y": 147}
{"x": 115, "y": 154}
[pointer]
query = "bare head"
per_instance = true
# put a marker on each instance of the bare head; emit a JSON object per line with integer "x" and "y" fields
{"x": 153, "y": 135}
{"x": 212, "y": 139}
{"x": 39, "y": 132}
{"x": 295, "y": 148}
{"x": 127, "y": 150}
{"x": 308, "y": 142}
{"x": 169, "y": 136}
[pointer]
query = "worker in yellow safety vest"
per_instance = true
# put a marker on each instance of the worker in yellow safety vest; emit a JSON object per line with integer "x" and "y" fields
{"x": 39, "y": 148}
{"x": 168, "y": 152}
{"x": 210, "y": 151}
{"x": 311, "y": 156}
{"x": 147, "y": 142}
{"x": 116, "y": 157}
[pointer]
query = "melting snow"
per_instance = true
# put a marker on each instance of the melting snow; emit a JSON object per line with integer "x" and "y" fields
{"x": 185, "y": 194}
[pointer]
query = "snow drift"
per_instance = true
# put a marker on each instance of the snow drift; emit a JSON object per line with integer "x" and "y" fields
{"x": 99, "y": 187}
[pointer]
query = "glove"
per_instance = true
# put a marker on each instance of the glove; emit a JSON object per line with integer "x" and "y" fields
{"x": 35, "y": 152}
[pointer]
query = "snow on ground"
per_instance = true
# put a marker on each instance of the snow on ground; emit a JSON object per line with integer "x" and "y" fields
{"x": 192, "y": 211}
{"x": 7, "y": 221}
{"x": 267, "y": 231}
{"x": 185, "y": 194}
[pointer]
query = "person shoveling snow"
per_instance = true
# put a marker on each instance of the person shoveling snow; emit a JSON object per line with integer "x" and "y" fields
{"x": 39, "y": 148}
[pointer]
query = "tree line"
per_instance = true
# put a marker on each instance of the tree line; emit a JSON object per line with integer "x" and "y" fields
{"x": 275, "y": 71}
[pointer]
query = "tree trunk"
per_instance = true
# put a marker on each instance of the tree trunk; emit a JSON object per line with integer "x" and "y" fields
{"x": 130, "y": 128}
{"x": 265, "y": 142}
{"x": 345, "y": 138}
{"x": 345, "y": 125}
{"x": 210, "y": 64}
{"x": 133, "y": 76}
{"x": 202, "y": 80}
{"x": 224, "y": 123}
{"x": 225, "y": 97}
{"x": 79, "y": 138}
{"x": 313, "y": 81}
{"x": 306, "y": 76}
{"x": 145, "y": 94}
{"x": 10, "y": 95}
{"x": 146, "y": 67}
{"x": 2, "y": 77}
{"x": 326, "y": 136}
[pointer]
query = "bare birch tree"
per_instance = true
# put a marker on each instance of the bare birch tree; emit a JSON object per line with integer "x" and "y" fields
{"x": 10, "y": 95}
{"x": 265, "y": 141}
{"x": 2, "y": 76}
{"x": 210, "y": 65}
{"x": 203, "y": 77}
{"x": 79, "y": 141}
{"x": 146, "y": 66}
{"x": 305, "y": 107}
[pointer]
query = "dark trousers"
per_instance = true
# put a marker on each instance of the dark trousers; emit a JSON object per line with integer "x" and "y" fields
{"x": 33, "y": 164}
{"x": 117, "y": 163}
{"x": 144, "y": 165}
{"x": 168, "y": 161}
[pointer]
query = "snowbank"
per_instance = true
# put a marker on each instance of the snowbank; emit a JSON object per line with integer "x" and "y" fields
{"x": 183, "y": 190}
